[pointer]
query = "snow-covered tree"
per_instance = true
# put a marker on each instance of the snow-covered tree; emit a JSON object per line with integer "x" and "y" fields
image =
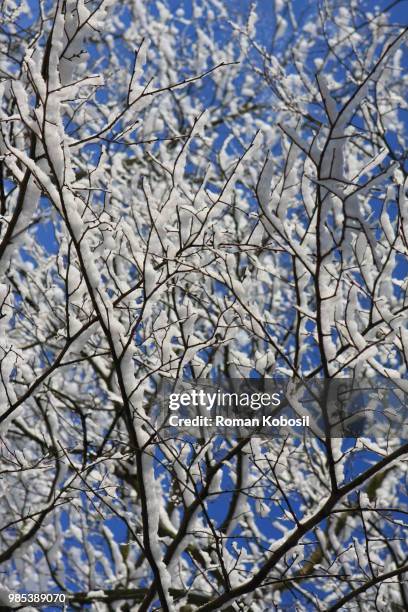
{"x": 189, "y": 189}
